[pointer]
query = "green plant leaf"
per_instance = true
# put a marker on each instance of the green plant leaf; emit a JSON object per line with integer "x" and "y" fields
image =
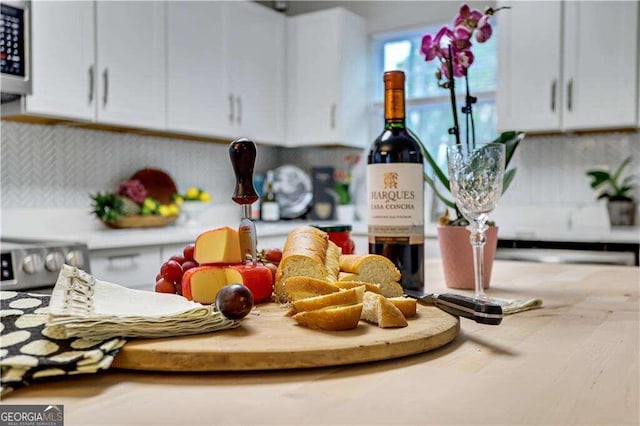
{"x": 511, "y": 139}
{"x": 442, "y": 198}
{"x": 507, "y": 179}
{"x": 442, "y": 177}
{"x": 598, "y": 177}
{"x": 621, "y": 167}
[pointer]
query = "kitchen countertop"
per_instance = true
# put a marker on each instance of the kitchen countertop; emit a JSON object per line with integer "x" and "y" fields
{"x": 575, "y": 361}
{"x": 78, "y": 225}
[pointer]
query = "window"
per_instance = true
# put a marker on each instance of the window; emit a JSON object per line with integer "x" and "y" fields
{"x": 428, "y": 107}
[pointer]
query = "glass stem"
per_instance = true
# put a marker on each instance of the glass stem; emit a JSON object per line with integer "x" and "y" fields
{"x": 477, "y": 239}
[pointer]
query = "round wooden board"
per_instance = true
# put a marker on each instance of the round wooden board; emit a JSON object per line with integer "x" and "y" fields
{"x": 270, "y": 341}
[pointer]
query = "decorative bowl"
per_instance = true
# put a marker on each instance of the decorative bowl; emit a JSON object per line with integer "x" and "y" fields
{"x": 139, "y": 221}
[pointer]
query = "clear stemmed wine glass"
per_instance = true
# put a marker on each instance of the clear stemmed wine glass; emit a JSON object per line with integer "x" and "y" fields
{"x": 475, "y": 175}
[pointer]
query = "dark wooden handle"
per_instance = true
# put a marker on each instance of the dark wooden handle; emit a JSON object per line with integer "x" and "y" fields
{"x": 242, "y": 153}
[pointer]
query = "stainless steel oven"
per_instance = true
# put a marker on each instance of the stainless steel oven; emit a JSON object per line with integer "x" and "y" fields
{"x": 29, "y": 265}
{"x": 15, "y": 49}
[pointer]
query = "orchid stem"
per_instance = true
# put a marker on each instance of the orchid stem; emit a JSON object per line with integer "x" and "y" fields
{"x": 452, "y": 92}
{"x": 469, "y": 105}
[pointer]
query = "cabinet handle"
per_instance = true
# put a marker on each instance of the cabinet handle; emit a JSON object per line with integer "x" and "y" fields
{"x": 554, "y": 85}
{"x": 122, "y": 261}
{"x": 231, "y": 109}
{"x": 570, "y": 95}
{"x": 239, "y": 115}
{"x": 91, "y": 83}
{"x": 105, "y": 79}
{"x": 332, "y": 116}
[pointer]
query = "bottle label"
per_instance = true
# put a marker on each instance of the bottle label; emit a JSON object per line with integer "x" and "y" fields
{"x": 395, "y": 203}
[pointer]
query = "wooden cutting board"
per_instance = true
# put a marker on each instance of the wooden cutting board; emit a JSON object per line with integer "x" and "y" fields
{"x": 270, "y": 340}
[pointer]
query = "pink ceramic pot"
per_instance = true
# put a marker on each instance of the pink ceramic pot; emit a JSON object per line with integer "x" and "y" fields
{"x": 457, "y": 256}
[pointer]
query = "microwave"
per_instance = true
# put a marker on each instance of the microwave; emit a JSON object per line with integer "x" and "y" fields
{"x": 15, "y": 49}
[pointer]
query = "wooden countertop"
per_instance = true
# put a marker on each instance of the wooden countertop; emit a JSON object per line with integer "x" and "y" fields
{"x": 575, "y": 361}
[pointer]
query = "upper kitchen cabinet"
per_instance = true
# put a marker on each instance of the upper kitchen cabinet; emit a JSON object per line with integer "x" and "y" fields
{"x": 226, "y": 70}
{"x": 64, "y": 64}
{"x": 326, "y": 100}
{"x": 198, "y": 97}
{"x": 568, "y": 66}
{"x": 131, "y": 63}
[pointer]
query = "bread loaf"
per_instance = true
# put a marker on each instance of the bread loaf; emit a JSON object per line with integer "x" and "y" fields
{"x": 307, "y": 252}
{"x": 346, "y": 285}
{"x": 379, "y": 310}
{"x": 371, "y": 268}
{"x": 331, "y": 318}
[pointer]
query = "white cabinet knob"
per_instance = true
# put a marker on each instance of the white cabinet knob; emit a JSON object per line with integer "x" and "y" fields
{"x": 32, "y": 263}
{"x": 53, "y": 261}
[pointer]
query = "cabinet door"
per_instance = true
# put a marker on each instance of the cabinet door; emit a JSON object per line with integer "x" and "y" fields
{"x": 327, "y": 81}
{"x": 63, "y": 55}
{"x": 198, "y": 97}
{"x": 131, "y": 63}
{"x": 600, "y": 64}
{"x": 135, "y": 267}
{"x": 528, "y": 85}
{"x": 255, "y": 49}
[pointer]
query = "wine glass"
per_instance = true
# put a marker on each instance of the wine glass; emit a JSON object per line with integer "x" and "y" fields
{"x": 476, "y": 174}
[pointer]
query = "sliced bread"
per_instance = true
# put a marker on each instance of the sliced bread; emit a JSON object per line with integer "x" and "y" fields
{"x": 331, "y": 318}
{"x": 296, "y": 288}
{"x": 346, "y": 285}
{"x": 341, "y": 298}
{"x": 379, "y": 310}
{"x": 407, "y": 305}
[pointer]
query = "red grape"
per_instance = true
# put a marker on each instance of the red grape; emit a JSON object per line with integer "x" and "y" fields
{"x": 171, "y": 271}
{"x": 178, "y": 258}
{"x": 189, "y": 264}
{"x": 178, "y": 288}
{"x": 273, "y": 255}
{"x": 158, "y": 276}
{"x": 273, "y": 268}
{"x": 164, "y": 286}
{"x": 234, "y": 301}
{"x": 188, "y": 251}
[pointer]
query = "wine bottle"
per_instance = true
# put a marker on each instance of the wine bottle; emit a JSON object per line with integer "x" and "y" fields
{"x": 269, "y": 208}
{"x": 395, "y": 189}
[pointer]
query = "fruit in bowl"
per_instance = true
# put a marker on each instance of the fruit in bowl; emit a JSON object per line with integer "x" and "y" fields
{"x": 192, "y": 203}
{"x": 132, "y": 207}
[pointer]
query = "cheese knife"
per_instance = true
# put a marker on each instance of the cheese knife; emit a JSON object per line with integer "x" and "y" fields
{"x": 242, "y": 153}
{"x": 481, "y": 311}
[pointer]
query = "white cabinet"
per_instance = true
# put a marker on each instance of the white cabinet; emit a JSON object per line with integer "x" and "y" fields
{"x": 131, "y": 63}
{"x": 326, "y": 99}
{"x": 226, "y": 70}
{"x": 256, "y": 54}
{"x": 135, "y": 267}
{"x": 567, "y": 66}
{"x": 63, "y": 55}
{"x": 198, "y": 97}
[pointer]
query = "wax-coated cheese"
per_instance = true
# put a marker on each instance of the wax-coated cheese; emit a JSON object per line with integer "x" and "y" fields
{"x": 257, "y": 278}
{"x": 220, "y": 245}
{"x": 202, "y": 283}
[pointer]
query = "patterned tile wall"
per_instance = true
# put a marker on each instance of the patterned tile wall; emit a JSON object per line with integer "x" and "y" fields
{"x": 58, "y": 166}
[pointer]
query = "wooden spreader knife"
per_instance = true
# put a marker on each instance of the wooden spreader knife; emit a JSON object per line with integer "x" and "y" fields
{"x": 242, "y": 153}
{"x": 481, "y": 311}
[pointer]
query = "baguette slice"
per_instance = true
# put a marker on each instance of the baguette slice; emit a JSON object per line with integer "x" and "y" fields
{"x": 407, "y": 305}
{"x": 346, "y": 285}
{"x": 379, "y": 310}
{"x": 341, "y": 298}
{"x": 371, "y": 267}
{"x": 296, "y": 288}
{"x": 386, "y": 288}
{"x": 331, "y": 318}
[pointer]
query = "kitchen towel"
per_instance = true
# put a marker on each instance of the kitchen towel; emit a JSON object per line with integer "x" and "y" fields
{"x": 513, "y": 306}
{"x": 31, "y": 351}
{"x": 87, "y": 307}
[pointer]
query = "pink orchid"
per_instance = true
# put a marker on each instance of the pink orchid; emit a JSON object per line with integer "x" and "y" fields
{"x": 484, "y": 30}
{"x": 467, "y": 17}
{"x": 431, "y": 45}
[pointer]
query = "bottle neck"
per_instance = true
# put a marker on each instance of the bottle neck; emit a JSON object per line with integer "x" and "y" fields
{"x": 394, "y": 108}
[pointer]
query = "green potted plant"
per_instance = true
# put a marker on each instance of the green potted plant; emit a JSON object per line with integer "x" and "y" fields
{"x": 345, "y": 209}
{"x": 452, "y": 48}
{"x": 616, "y": 188}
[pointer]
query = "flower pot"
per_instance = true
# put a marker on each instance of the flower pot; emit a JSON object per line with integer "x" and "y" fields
{"x": 457, "y": 256}
{"x": 346, "y": 213}
{"x": 621, "y": 213}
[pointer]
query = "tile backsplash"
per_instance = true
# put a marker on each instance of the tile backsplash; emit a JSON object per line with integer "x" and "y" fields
{"x": 59, "y": 166}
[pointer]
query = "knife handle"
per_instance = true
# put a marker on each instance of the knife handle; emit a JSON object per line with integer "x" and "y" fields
{"x": 481, "y": 311}
{"x": 242, "y": 153}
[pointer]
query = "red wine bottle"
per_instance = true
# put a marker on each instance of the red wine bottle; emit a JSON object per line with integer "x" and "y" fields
{"x": 395, "y": 190}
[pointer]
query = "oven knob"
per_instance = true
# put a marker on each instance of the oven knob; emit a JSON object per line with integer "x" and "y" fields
{"x": 53, "y": 261}
{"x": 75, "y": 258}
{"x": 32, "y": 263}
